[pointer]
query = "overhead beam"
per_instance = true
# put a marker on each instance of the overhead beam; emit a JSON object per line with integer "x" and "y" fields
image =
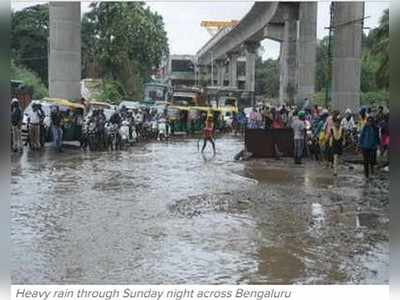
{"x": 249, "y": 28}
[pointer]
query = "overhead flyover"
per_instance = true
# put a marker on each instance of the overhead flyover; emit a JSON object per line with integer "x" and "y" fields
{"x": 294, "y": 25}
{"x": 250, "y": 28}
{"x": 278, "y": 21}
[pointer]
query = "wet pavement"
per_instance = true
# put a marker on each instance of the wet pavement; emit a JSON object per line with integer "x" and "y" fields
{"x": 164, "y": 213}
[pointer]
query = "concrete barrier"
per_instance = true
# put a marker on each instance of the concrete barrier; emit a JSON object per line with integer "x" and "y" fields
{"x": 269, "y": 142}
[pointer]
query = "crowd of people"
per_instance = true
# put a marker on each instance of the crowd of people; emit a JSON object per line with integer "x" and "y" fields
{"x": 90, "y": 126}
{"x": 325, "y": 135}
{"x": 124, "y": 127}
{"x": 320, "y": 134}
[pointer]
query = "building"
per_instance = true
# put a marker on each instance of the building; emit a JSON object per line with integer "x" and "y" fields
{"x": 180, "y": 70}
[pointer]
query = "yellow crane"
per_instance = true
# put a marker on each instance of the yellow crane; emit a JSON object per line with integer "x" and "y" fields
{"x": 214, "y": 26}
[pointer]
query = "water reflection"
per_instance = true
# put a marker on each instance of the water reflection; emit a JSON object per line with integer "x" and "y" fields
{"x": 165, "y": 213}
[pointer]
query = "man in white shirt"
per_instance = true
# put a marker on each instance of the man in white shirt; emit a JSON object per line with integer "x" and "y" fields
{"x": 348, "y": 122}
{"x": 34, "y": 126}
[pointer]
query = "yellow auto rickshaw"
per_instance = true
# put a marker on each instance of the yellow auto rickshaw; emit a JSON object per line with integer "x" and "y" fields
{"x": 73, "y": 117}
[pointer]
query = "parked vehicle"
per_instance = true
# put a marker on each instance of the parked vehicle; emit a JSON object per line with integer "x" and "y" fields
{"x": 130, "y": 105}
{"x": 72, "y": 130}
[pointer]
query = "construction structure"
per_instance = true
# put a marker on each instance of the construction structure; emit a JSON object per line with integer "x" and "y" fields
{"x": 65, "y": 50}
{"x": 231, "y": 53}
{"x": 348, "y": 19}
{"x": 213, "y": 27}
{"x": 294, "y": 25}
{"x": 180, "y": 70}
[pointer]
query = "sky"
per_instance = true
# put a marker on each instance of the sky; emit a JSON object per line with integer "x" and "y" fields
{"x": 186, "y": 36}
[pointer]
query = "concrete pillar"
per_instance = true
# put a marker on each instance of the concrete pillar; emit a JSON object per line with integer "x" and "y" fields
{"x": 346, "y": 67}
{"x": 233, "y": 81}
{"x": 220, "y": 72}
{"x": 288, "y": 63}
{"x": 250, "y": 51}
{"x": 65, "y": 50}
{"x": 223, "y": 72}
{"x": 307, "y": 50}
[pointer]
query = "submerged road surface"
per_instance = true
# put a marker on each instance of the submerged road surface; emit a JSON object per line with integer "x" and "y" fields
{"x": 163, "y": 213}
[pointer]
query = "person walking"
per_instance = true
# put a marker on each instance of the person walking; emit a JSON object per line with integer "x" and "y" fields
{"x": 16, "y": 123}
{"x": 336, "y": 145}
{"x": 42, "y": 125}
{"x": 208, "y": 134}
{"x": 329, "y": 124}
{"x": 56, "y": 127}
{"x": 242, "y": 122}
{"x": 298, "y": 127}
{"x": 368, "y": 142}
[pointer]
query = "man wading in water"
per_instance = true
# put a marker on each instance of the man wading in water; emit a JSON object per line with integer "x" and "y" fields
{"x": 208, "y": 134}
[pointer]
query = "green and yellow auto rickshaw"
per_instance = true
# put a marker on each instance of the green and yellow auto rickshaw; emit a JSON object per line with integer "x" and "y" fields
{"x": 73, "y": 118}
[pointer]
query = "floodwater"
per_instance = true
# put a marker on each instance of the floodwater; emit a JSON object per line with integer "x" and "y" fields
{"x": 164, "y": 213}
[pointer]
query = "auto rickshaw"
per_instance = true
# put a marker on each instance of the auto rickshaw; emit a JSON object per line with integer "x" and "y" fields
{"x": 177, "y": 118}
{"x": 73, "y": 118}
{"x": 226, "y": 117}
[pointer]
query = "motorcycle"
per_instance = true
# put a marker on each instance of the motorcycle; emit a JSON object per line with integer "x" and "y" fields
{"x": 91, "y": 134}
{"x": 124, "y": 134}
{"x": 162, "y": 130}
{"x": 153, "y": 129}
{"x": 114, "y": 138}
{"x": 133, "y": 136}
{"x": 312, "y": 142}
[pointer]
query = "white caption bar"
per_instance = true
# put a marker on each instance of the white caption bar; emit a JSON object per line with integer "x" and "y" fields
{"x": 199, "y": 292}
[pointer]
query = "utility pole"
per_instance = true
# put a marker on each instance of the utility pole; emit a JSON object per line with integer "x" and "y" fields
{"x": 329, "y": 75}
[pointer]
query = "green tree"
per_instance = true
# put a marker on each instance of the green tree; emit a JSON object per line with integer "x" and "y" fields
{"x": 267, "y": 77}
{"x": 30, "y": 79}
{"x": 381, "y": 51}
{"x": 111, "y": 91}
{"x": 29, "y": 33}
{"x": 121, "y": 41}
{"x": 127, "y": 40}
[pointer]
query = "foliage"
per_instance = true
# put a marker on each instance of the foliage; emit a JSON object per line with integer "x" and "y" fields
{"x": 111, "y": 91}
{"x": 368, "y": 73}
{"x": 381, "y": 51}
{"x": 322, "y": 69}
{"x": 29, "y": 33}
{"x": 121, "y": 41}
{"x": 319, "y": 98}
{"x": 267, "y": 78}
{"x": 375, "y": 98}
{"x": 127, "y": 40}
{"x": 374, "y": 64}
{"x": 30, "y": 80}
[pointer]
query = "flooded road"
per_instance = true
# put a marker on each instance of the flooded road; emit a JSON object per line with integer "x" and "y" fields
{"x": 164, "y": 213}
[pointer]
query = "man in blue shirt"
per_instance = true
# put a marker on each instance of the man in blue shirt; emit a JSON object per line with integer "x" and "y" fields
{"x": 368, "y": 142}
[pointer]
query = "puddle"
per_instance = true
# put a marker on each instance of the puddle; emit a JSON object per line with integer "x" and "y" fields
{"x": 369, "y": 220}
{"x": 279, "y": 265}
{"x": 160, "y": 214}
{"x": 277, "y": 176}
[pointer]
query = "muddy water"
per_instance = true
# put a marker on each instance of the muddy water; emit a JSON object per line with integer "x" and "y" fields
{"x": 163, "y": 213}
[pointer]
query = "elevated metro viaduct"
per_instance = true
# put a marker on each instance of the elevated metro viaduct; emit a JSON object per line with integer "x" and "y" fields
{"x": 294, "y": 25}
